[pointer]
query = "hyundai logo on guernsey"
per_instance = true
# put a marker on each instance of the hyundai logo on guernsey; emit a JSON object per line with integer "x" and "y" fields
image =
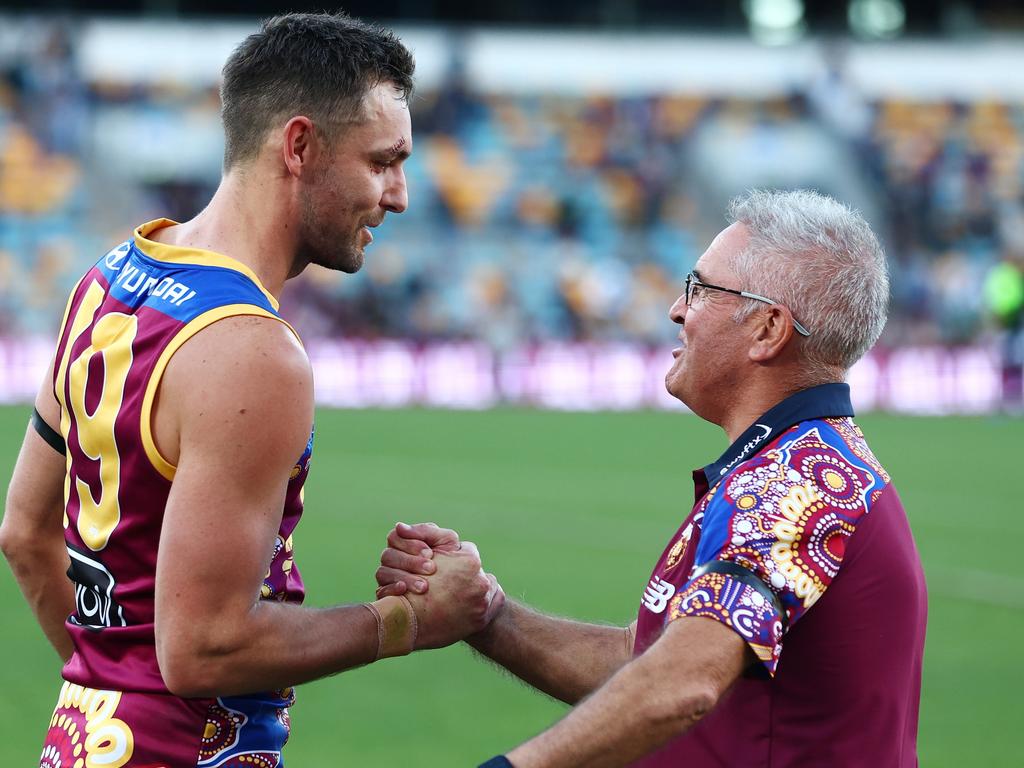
{"x": 750, "y": 445}
{"x": 132, "y": 279}
{"x": 657, "y": 595}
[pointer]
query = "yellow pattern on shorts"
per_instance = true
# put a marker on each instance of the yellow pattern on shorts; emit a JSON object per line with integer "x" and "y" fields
{"x": 97, "y": 739}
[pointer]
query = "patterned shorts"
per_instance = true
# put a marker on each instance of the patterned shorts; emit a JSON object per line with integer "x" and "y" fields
{"x": 113, "y": 729}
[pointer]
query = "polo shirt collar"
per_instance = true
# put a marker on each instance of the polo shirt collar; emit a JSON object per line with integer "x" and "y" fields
{"x": 822, "y": 401}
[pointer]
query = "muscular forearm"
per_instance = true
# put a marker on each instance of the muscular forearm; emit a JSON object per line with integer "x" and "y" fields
{"x": 41, "y": 573}
{"x": 230, "y": 647}
{"x": 32, "y": 532}
{"x": 565, "y": 659}
{"x": 275, "y": 646}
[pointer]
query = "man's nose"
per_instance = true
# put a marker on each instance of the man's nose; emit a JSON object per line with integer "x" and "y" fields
{"x": 396, "y": 195}
{"x": 677, "y": 312}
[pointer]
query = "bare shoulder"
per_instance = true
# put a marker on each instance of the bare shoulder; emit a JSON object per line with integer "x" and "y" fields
{"x": 241, "y": 379}
{"x": 243, "y": 343}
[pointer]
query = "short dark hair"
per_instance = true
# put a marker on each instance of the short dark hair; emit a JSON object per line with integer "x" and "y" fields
{"x": 318, "y": 64}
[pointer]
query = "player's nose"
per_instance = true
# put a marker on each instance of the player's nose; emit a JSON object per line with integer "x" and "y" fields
{"x": 396, "y": 194}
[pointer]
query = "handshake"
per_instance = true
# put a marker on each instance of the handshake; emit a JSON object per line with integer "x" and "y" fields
{"x": 432, "y": 590}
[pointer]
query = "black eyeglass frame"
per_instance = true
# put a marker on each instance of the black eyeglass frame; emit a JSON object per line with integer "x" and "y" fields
{"x": 692, "y": 280}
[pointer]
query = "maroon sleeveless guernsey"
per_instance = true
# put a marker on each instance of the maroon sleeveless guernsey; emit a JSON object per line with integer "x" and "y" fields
{"x": 124, "y": 321}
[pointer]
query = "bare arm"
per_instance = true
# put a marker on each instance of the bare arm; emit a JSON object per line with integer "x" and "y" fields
{"x": 656, "y": 697}
{"x": 32, "y": 533}
{"x": 237, "y": 402}
{"x": 564, "y": 658}
{"x": 636, "y": 705}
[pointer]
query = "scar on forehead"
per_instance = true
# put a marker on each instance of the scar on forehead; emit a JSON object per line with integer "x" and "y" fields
{"x": 397, "y": 145}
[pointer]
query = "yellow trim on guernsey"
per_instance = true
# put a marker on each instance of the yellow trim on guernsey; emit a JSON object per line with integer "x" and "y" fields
{"x": 194, "y": 326}
{"x": 67, "y": 307}
{"x": 176, "y": 254}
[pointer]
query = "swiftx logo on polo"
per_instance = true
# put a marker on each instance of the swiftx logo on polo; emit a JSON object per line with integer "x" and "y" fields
{"x": 748, "y": 447}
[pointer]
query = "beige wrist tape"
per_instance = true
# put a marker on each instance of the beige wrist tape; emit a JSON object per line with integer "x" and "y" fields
{"x": 396, "y": 626}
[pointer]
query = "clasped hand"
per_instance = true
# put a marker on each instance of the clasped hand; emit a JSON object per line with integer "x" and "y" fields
{"x": 442, "y": 578}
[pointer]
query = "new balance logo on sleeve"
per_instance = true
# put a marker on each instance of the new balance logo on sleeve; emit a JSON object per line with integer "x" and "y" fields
{"x": 657, "y": 595}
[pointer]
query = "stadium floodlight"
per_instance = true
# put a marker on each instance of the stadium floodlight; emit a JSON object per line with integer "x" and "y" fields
{"x": 775, "y": 22}
{"x": 876, "y": 19}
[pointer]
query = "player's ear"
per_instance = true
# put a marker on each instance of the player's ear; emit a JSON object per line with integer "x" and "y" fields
{"x": 299, "y": 145}
{"x": 773, "y": 328}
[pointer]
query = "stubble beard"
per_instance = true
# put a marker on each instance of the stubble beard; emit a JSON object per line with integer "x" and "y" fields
{"x": 318, "y": 244}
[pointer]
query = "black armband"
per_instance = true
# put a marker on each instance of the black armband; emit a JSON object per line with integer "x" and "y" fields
{"x": 744, "y": 576}
{"x": 49, "y": 434}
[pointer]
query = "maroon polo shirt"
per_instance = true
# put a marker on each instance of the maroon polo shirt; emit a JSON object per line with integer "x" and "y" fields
{"x": 799, "y": 543}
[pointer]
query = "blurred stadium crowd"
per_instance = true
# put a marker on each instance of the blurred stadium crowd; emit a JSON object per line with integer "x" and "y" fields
{"x": 532, "y": 217}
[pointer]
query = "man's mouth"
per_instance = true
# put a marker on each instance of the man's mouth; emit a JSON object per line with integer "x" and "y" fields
{"x": 367, "y": 227}
{"x": 679, "y": 350}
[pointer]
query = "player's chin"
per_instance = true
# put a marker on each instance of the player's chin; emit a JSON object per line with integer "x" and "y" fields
{"x": 353, "y": 263}
{"x": 349, "y": 262}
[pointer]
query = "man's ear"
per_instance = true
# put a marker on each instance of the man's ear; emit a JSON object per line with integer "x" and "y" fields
{"x": 772, "y": 332}
{"x": 300, "y": 145}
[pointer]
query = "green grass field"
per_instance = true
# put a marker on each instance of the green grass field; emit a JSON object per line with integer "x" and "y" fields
{"x": 571, "y": 510}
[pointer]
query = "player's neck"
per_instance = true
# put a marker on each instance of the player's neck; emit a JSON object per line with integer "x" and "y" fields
{"x": 247, "y": 223}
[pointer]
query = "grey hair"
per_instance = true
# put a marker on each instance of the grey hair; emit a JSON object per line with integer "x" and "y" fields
{"x": 819, "y": 258}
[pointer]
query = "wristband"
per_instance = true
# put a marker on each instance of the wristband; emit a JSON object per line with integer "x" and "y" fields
{"x": 396, "y": 626}
{"x": 497, "y": 762}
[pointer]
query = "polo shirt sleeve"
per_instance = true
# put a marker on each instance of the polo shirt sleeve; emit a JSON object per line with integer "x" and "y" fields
{"x": 784, "y": 518}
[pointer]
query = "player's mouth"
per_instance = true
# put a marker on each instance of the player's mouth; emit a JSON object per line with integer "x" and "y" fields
{"x": 365, "y": 230}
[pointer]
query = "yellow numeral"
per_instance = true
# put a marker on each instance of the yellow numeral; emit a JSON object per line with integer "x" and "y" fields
{"x": 111, "y": 339}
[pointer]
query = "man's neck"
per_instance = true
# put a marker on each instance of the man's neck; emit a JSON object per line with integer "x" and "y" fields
{"x": 246, "y": 221}
{"x": 748, "y": 407}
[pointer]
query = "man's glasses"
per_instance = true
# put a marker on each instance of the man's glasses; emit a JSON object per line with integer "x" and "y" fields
{"x": 695, "y": 289}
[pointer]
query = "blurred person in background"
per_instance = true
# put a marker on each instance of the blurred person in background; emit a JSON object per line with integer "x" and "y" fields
{"x": 1004, "y": 295}
{"x": 164, "y": 464}
{"x": 784, "y": 623}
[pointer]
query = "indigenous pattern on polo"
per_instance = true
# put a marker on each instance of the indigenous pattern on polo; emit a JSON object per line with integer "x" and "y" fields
{"x": 799, "y": 543}
{"x": 785, "y": 515}
{"x": 124, "y": 321}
